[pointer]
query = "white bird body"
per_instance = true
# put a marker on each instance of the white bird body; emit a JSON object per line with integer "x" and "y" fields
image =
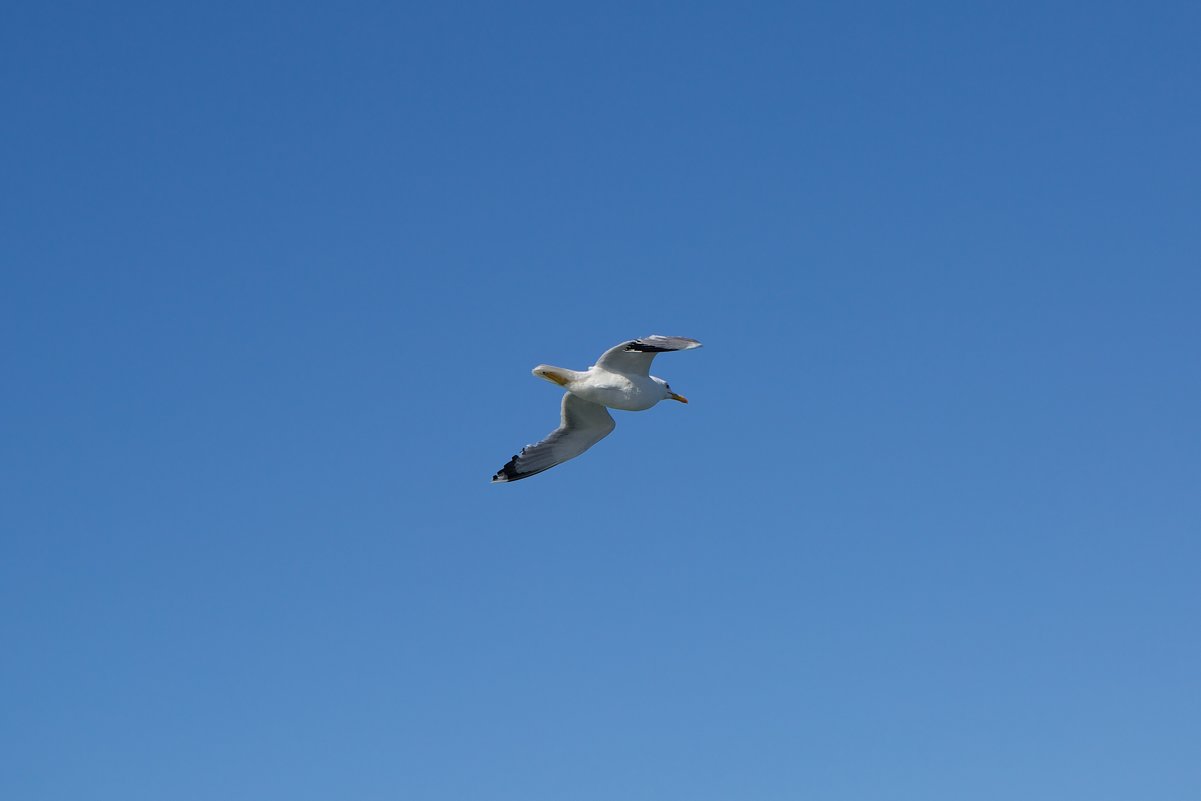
{"x": 620, "y": 379}
{"x": 630, "y": 393}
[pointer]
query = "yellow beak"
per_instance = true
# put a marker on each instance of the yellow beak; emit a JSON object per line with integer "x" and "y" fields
{"x": 674, "y": 396}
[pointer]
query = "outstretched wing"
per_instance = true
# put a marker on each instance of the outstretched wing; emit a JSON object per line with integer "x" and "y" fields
{"x": 583, "y": 425}
{"x": 634, "y": 357}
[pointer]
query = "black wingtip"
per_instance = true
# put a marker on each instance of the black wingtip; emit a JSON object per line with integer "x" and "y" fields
{"x": 508, "y": 472}
{"x": 642, "y": 347}
{"x": 651, "y": 344}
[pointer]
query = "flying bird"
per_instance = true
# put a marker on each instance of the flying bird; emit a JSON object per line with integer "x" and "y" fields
{"x": 620, "y": 379}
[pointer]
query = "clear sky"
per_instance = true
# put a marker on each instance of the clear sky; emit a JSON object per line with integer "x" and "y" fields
{"x": 273, "y": 279}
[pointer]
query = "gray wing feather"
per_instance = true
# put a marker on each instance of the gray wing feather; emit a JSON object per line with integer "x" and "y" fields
{"x": 634, "y": 357}
{"x": 582, "y": 425}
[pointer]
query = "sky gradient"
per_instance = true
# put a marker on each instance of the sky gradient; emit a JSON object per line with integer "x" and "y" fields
{"x": 273, "y": 279}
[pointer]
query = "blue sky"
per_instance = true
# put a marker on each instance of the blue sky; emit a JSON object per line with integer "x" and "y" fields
{"x": 274, "y": 276}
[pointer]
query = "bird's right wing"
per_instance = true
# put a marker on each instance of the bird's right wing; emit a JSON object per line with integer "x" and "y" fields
{"x": 583, "y": 425}
{"x": 634, "y": 357}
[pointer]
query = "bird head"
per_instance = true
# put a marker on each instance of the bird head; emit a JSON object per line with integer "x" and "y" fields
{"x": 667, "y": 393}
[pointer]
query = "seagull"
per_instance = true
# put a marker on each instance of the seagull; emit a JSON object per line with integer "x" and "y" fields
{"x": 620, "y": 379}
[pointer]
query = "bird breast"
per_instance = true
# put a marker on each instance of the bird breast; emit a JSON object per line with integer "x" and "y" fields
{"x": 628, "y": 393}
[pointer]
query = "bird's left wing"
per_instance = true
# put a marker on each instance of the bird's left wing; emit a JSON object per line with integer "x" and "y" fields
{"x": 634, "y": 357}
{"x": 583, "y": 424}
